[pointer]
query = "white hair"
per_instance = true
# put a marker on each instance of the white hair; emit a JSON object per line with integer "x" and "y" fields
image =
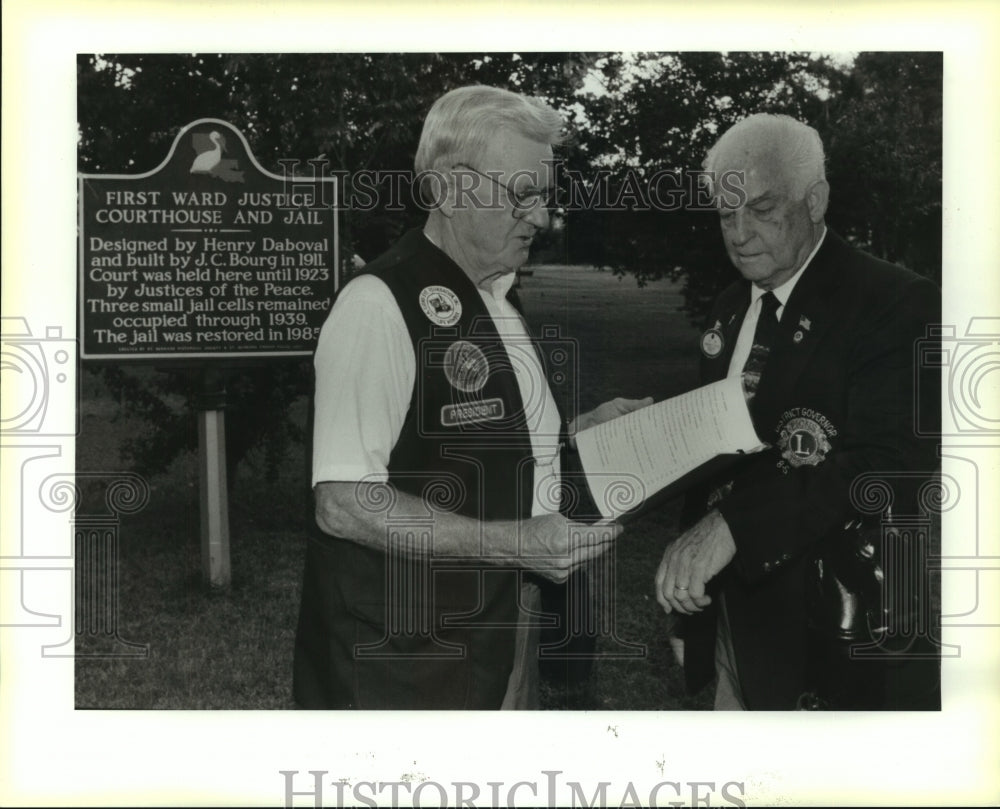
{"x": 463, "y": 122}
{"x": 792, "y": 144}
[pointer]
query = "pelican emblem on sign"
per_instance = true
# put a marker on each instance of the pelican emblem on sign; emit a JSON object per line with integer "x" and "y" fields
{"x": 209, "y": 160}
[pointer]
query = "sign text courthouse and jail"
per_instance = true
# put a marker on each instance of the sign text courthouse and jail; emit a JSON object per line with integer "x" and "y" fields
{"x": 208, "y": 255}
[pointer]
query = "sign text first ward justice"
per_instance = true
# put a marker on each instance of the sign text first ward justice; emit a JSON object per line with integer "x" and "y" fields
{"x": 208, "y": 255}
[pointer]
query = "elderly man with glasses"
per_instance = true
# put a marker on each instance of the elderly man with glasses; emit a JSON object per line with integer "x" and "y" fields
{"x": 436, "y": 449}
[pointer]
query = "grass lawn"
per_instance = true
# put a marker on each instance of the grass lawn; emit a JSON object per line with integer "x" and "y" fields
{"x": 233, "y": 649}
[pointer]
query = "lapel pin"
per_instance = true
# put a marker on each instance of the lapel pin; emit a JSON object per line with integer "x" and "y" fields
{"x": 797, "y": 337}
{"x": 712, "y": 341}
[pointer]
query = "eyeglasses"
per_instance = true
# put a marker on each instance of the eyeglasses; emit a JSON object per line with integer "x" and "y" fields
{"x": 524, "y": 201}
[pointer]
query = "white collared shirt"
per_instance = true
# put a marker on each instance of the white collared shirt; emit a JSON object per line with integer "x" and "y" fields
{"x": 744, "y": 342}
{"x": 540, "y": 409}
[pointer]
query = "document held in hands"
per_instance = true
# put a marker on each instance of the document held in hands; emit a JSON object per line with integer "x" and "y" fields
{"x": 629, "y": 459}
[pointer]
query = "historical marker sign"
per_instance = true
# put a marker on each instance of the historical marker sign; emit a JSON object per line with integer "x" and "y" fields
{"x": 206, "y": 256}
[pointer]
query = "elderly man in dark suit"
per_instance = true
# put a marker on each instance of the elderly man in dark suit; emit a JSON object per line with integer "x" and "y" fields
{"x": 824, "y": 337}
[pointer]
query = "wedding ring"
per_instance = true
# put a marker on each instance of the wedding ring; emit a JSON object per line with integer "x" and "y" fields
{"x": 678, "y": 587}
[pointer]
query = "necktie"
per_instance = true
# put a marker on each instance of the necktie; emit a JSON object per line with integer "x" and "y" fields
{"x": 764, "y": 337}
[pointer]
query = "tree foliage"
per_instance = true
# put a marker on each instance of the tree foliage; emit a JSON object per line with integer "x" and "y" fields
{"x": 360, "y": 111}
{"x": 880, "y": 119}
{"x": 635, "y": 119}
{"x": 884, "y": 154}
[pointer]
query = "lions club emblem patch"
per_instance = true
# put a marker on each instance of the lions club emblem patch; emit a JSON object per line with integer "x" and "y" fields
{"x": 466, "y": 367}
{"x": 441, "y": 305}
{"x": 804, "y": 440}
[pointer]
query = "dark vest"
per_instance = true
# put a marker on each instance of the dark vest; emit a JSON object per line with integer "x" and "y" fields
{"x": 465, "y": 426}
{"x": 436, "y": 632}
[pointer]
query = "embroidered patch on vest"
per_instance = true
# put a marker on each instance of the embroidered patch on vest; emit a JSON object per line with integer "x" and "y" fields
{"x": 466, "y": 367}
{"x": 804, "y": 437}
{"x": 441, "y": 305}
{"x": 472, "y": 412}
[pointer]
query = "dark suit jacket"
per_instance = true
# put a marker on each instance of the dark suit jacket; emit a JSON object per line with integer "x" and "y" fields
{"x": 836, "y": 400}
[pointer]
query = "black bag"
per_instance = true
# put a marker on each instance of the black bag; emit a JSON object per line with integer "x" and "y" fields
{"x": 862, "y": 602}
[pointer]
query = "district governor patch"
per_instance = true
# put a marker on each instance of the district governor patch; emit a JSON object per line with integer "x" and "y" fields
{"x": 804, "y": 441}
{"x": 441, "y": 305}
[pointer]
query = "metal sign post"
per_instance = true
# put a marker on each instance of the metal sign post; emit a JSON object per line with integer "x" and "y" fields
{"x": 216, "y": 568}
{"x": 205, "y": 260}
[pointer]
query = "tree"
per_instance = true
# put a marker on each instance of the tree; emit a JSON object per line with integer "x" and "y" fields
{"x": 651, "y": 127}
{"x": 362, "y": 112}
{"x": 634, "y": 144}
{"x": 651, "y": 130}
{"x": 883, "y": 147}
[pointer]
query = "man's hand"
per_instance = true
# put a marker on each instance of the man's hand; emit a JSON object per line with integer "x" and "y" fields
{"x": 605, "y": 412}
{"x": 691, "y": 561}
{"x": 554, "y": 547}
{"x": 549, "y": 545}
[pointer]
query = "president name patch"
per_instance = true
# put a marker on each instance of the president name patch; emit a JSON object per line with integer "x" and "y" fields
{"x": 471, "y": 412}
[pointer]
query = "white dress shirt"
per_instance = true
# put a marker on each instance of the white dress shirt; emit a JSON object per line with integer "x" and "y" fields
{"x": 744, "y": 342}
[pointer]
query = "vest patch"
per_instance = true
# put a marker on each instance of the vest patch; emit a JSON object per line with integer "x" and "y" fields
{"x": 466, "y": 367}
{"x": 804, "y": 439}
{"x": 441, "y": 305}
{"x": 472, "y": 412}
